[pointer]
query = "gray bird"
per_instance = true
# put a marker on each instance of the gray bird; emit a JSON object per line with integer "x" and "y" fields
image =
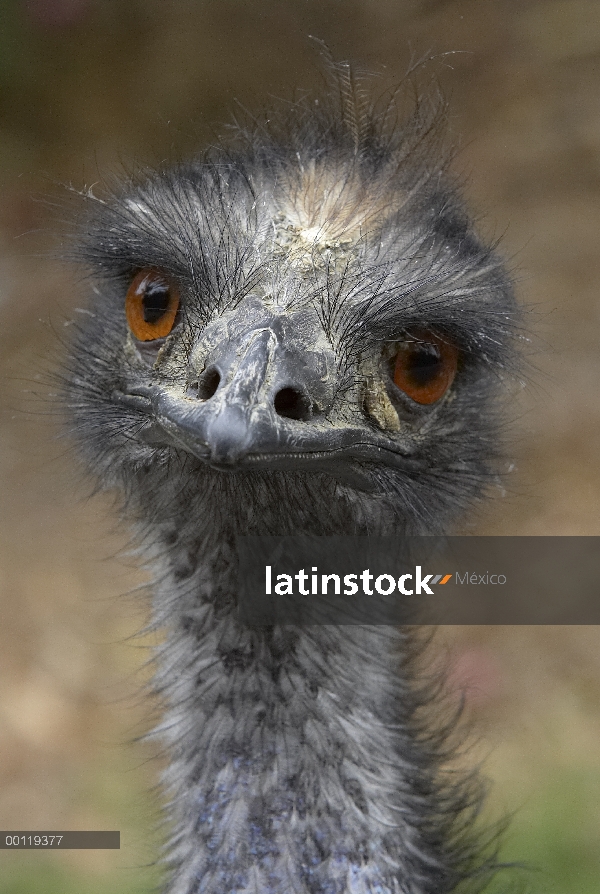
{"x": 298, "y": 332}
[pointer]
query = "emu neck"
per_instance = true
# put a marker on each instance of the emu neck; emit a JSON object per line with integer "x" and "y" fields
{"x": 294, "y": 769}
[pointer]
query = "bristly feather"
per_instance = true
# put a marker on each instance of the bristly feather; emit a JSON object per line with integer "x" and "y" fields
{"x": 301, "y": 761}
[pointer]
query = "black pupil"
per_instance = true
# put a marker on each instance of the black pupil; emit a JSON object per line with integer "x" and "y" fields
{"x": 424, "y": 364}
{"x": 155, "y": 302}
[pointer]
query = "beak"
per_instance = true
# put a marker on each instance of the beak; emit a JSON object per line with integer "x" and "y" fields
{"x": 256, "y": 396}
{"x": 261, "y": 394}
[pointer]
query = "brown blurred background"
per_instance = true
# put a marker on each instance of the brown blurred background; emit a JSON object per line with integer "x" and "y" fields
{"x": 89, "y": 86}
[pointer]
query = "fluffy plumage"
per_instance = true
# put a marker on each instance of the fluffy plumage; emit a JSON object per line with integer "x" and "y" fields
{"x": 304, "y": 250}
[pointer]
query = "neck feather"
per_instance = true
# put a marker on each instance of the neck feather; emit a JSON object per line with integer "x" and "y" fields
{"x": 298, "y": 757}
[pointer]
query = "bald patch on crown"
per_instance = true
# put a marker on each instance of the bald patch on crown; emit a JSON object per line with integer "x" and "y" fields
{"x": 324, "y": 209}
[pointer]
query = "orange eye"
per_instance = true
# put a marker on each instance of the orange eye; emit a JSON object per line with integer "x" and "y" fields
{"x": 425, "y": 367}
{"x": 151, "y": 305}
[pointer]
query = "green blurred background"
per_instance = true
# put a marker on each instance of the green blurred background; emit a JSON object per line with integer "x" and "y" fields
{"x": 87, "y": 88}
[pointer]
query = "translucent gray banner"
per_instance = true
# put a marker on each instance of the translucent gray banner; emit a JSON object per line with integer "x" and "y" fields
{"x": 45, "y": 840}
{"x": 419, "y": 580}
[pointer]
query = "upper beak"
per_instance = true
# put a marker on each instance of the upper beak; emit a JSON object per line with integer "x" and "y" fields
{"x": 267, "y": 400}
{"x": 240, "y": 418}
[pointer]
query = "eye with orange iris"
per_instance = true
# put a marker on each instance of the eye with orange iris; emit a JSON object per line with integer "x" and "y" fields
{"x": 424, "y": 368}
{"x": 151, "y": 305}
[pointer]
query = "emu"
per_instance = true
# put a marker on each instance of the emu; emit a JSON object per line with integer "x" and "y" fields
{"x": 297, "y": 332}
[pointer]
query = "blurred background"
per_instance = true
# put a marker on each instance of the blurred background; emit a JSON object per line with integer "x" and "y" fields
{"x": 87, "y": 88}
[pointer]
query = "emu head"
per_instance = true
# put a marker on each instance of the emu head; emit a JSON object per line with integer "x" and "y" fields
{"x": 299, "y": 331}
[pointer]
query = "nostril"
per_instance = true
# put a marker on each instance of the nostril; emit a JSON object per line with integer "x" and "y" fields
{"x": 209, "y": 382}
{"x": 206, "y": 386}
{"x": 292, "y": 404}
